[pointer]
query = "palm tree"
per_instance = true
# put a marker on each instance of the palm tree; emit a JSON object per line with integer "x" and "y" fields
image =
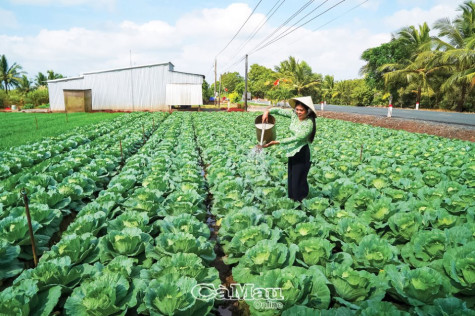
{"x": 415, "y": 73}
{"x": 419, "y": 38}
{"x": 458, "y": 56}
{"x": 328, "y": 86}
{"x": 52, "y": 75}
{"x": 342, "y": 92}
{"x": 40, "y": 80}
{"x": 297, "y": 74}
{"x": 9, "y": 75}
{"x": 24, "y": 85}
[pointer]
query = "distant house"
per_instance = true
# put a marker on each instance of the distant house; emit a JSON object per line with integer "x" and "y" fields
{"x": 150, "y": 87}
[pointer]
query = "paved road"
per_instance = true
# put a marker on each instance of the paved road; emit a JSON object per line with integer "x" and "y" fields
{"x": 467, "y": 119}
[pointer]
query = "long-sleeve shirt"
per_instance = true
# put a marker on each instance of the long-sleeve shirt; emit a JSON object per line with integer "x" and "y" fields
{"x": 299, "y": 131}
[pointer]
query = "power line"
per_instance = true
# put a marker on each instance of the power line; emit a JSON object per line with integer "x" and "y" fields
{"x": 286, "y": 21}
{"x": 343, "y": 14}
{"x": 290, "y": 27}
{"x": 269, "y": 14}
{"x": 296, "y": 13}
{"x": 283, "y": 35}
{"x": 291, "y": 31}
{"x": 237, "y": 62}
{"x": 333, "y": 20}
{"x": 240, "y": 28}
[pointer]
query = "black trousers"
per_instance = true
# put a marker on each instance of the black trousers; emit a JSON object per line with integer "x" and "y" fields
{"x": 298, "y": 168}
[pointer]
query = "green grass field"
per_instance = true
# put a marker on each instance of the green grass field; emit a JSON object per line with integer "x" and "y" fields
{"x": 20, "y": 128}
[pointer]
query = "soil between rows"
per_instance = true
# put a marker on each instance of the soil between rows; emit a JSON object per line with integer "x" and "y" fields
{"x": 414, "y": 126}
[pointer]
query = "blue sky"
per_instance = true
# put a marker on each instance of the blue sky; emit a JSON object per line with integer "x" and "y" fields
{"x": 76, "y": 36}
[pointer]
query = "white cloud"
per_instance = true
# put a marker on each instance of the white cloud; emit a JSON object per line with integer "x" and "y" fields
{"x": 190, "y": 44}
{"x": 418, "y": 16}
{"x": 335, "y": 52}
{"x": 7, "y": 19}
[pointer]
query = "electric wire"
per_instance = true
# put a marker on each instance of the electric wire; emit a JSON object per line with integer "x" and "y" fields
{"x": 232, "y": 39}
{"x": 333, "y": 20}
{"x": 293, "y": 30}
{"x": 268, "y": 15}
{"x": 296, "y": 13}
{"x": 290, "y": 27}
{"x": 341, "y": 15}
{"x": 282, "y": 35}
{"x": 286, "y": 22}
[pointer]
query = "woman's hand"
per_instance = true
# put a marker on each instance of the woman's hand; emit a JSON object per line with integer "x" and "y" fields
{"x": 272, "y": 143}
{"x": 265, "y": 116}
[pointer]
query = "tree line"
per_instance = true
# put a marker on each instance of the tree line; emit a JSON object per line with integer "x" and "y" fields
{"x": 415, "y": 66}
{"x": 16, "y": 88}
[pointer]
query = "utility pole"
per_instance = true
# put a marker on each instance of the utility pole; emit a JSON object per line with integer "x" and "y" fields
{"x": 215, "y": 77}
{"x": 219, "y": 94}
{"x": 245, "y": 87}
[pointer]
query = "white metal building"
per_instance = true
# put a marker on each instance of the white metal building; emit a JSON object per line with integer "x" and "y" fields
{"x": 150, "y": 87}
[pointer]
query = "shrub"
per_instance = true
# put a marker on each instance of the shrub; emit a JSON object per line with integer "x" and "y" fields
{"x": 28, "y": 106}
{"x": 39, "y": 96}
{"x": 234, "y": 97}
{"x": 3, "y": 99}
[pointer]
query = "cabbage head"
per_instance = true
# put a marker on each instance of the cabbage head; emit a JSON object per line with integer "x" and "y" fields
{"x": 416, "y": 287}
{"x": 372, "y": 253}
{"x": 425, "y": 247}
{"x": 129, "y": 242}
{"x": 167, "y": 244}
{"x": 107, "y": 294}
{"x": 265, "y": 255}
{"x": 246, "y": 239}
{"x": 313, "y": 251}
{"x": 304, "y": 230}
{"x": 459, "y": 264}
{"x": 172, "y": 295}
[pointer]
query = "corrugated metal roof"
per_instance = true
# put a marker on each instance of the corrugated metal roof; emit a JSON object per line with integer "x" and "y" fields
{"x": 121, "y": 69}
{"x": 188, "y": 73}
{"x": 66, "y": 79}
{"x": 127, "y": 68}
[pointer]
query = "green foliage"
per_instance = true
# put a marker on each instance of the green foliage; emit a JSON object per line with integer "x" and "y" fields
{"x": 206, "y": 91}
{"x": 260, "y": 80}
{"x": 10, "y": 75}
{"x": 388, "y": 53}
{"x": 39, "y": 96}
{"x": 230, "y": 81}
{"x": 234, "y": 97}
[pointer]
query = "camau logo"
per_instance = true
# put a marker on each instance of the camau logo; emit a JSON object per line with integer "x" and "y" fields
{"x": 265, "y": 298}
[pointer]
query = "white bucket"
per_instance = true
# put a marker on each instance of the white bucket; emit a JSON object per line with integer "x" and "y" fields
{"x": 13, "y": 107}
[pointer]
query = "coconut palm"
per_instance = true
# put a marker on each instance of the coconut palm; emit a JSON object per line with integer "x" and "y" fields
{"x": 9, "y": 75}
{"x": 419, "y": 38}
{"x": 52, "y": 75}
{"x": 298, "y": 75}
{"x": 40, "y": 80}
{"x": 24, "y": 85}
{"x": 417, "y": 73}
{"x": 342, "y": 92}
{"x": 328, "y": 85}
{"x": 457, "y": 41}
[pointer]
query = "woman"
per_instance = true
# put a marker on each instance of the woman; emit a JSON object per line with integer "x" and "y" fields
{"x": 302, "y": 133}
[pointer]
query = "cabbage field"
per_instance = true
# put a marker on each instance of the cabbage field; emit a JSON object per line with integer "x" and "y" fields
{"x": 133, "y": 215}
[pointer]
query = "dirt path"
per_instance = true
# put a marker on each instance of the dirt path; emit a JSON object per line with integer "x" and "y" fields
{"x": 414, "y": 126}
{"x": 444, "y": 130}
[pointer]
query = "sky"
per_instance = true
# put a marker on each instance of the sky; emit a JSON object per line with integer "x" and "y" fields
{"x": 72, "y": 37}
